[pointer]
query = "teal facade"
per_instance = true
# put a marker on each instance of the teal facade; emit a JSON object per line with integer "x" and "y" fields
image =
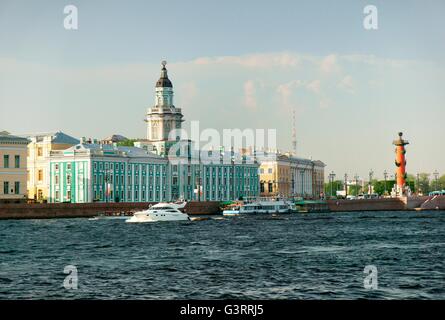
{"x": 91, "y": 173}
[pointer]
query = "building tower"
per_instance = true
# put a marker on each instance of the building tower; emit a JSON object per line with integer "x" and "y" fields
{"x": 400, "y": 162}
{"x": 163, "y": 116}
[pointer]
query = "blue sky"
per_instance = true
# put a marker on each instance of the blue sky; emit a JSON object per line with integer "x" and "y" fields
{"x": 235, "y": 64}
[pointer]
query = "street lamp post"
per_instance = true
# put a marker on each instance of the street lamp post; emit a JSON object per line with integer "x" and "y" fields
{"x": 418, "y": 186}
{"x": 302, "y": 183}
{"x": 356, "y": 184}
{"x": 331, "y": 179}
{"x": 346, "y": 185}
{"x": 107, "y": 187}
{"x": 385, "y": 176}
{"x": 371, "y": 173}
{"x": 436, "y": 176}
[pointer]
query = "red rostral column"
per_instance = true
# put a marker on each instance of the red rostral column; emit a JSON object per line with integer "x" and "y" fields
{"x": 400, "y": 164}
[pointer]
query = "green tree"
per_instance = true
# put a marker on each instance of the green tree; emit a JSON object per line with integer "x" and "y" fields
{"x": 441, "y": 182}
{"x": 354, "y": 190}
{"x": 424, "y": 183}
{"x": 379, "y": 186}
{"x": 336, "y": 186}
{"x": 126, "y": 143}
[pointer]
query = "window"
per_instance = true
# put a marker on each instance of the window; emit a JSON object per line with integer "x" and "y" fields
{"x": 39, "y": 151}
{"x": 5, "y": 187}
{"x": 261, "y": 170}
{"x": 6, "y": 161}
{"x": 17, "y": 161}
{"x": 68, "y": 179}
{"x": 269, "y": 170}
{"x": 68, "y": 166}
{"x": 95, "y": 166}
{"x": 175, "y": 181}
{"x": 57, "y": 179}
{"x": 68, "y": 195}
{"x": 270, "y": 187}
{"x": 57, "y": 167}
{"x": 117, "y": 179}
{"x": 57, "y": 195}
{"x": 40, "y": 175}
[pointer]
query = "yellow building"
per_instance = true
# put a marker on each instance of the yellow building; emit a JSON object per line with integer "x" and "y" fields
{"x": 12, "y": 168}
{"x": 283, "y": 175}
{"x": 39, "y": 150}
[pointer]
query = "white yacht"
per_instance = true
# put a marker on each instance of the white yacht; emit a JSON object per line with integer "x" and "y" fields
{"x": 160, "y": 212}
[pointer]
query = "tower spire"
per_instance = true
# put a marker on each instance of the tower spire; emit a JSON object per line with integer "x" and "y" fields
{"x": 164, "y": 81}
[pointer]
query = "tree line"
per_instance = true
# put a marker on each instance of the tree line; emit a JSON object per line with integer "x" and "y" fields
{"x": 423, "y": 184}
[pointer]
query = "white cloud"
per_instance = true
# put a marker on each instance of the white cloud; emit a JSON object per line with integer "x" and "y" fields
{"x": 265, "y": 60}
{"x": 285, "y": 91}
{"x": 347, "y": 84}
{"x": 329, "y": 64}
{"x": 314, "y": 86}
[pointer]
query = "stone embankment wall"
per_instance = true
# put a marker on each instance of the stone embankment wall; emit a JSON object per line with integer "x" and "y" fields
{"x": 392, "y": 204}
{"x": 86, "y": 210}
{"x": 389, "y": 204}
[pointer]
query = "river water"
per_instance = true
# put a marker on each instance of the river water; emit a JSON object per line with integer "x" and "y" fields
{"x": 312, "y": 256}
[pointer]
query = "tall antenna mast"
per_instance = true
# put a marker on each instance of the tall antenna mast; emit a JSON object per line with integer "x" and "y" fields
{"x": 294, "y": 132}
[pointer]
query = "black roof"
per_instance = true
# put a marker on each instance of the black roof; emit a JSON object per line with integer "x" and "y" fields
{"x": 164, "y": 81}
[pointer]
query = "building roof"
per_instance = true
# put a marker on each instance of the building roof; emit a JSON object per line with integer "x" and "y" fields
{"x": 110, "y": 150}
{"x": 164, "y": 81}
{"x": 56, "y": 137}
{"x": 116, "y": 138}
{"x": 9, "y": 138}
{"x": 276, "y": 156}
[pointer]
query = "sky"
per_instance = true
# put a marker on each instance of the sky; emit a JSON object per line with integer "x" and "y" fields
{"x": 236, "y": 64}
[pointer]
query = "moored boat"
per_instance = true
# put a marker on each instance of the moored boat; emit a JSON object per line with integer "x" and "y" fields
{"x": 160, "y": 212}
{"x": 276, "y": 206}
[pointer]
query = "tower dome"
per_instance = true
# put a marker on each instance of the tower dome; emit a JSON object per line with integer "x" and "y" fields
{"x": 164, "y": 81}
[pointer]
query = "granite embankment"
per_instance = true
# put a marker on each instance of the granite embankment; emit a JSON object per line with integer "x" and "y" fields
{"x": 388, "y": 204}
{"x": 86, "y": 210}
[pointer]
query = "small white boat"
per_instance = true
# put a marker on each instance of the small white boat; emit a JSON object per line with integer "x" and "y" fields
{"x": 232, "y": 211}
{"x": 278, "y": 206}
{"x": 160, "y": 212}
